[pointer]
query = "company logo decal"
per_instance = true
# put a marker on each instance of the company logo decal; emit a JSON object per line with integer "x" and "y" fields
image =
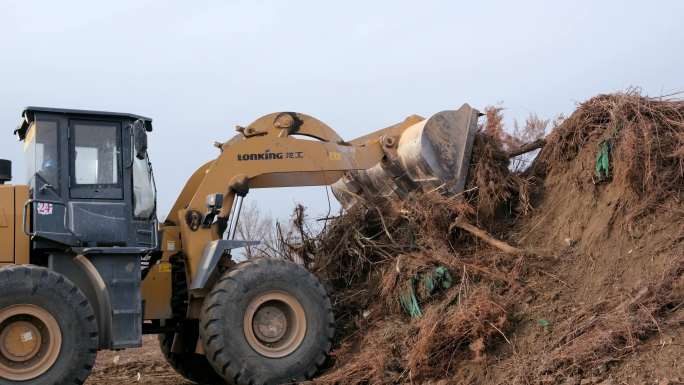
{"x": 268, "y": 155}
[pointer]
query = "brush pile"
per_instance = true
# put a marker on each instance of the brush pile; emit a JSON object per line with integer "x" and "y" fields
{"x": 597, "y": 228}
{"x": 374, "y": 253}
{"x": 644, "y": 138}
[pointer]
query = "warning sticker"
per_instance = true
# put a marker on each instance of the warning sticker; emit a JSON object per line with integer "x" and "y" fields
{"x": 44, "y": 208}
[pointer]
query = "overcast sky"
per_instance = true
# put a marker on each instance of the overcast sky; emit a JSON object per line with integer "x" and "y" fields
{"x": 199, "y": 68}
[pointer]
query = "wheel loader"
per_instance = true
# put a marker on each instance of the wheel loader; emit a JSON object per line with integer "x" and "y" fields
{"x": 85, "y": 264}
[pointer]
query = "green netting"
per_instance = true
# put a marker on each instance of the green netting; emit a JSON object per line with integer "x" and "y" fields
{"x": 431, "y": 282}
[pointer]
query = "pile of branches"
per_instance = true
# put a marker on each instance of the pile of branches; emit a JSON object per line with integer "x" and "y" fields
{"x": 370, "y": 255}
{"x": 367, "y": 258}
{"x": 645, "y": 138}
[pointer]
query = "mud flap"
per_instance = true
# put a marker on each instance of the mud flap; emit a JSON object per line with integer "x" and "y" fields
{"x": 210, "y": 258}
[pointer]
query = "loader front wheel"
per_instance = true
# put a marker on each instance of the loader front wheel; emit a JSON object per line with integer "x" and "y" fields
{"x": 267, "y": 322}
{"x": 48, "y": 332}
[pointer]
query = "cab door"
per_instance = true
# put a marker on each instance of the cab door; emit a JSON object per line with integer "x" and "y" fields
{"x": 43, "y": 146}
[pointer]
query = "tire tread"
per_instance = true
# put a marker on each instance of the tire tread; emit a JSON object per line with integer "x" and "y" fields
{"x": 212, "y": 311}
{"x": 41, "y": 279}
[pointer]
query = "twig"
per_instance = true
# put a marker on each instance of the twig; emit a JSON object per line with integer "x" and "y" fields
{"x": 478, "y": 232}
{"x": 500, "y": 332}
{"x": 327, "y": 218}
{"x": 382, "y": 220}
{"x": 557, "y": 279}
{"x": 677, "y": 307}
{"x": 525, "y": 148}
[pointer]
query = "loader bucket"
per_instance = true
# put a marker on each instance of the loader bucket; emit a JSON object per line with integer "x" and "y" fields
{"x": 431, "y": 154}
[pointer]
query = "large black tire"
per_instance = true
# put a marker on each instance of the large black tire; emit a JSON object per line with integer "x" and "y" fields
{"x": 190, "y": 365}
{"x": 225, "y": 337}
{"x": 36, "y": 287}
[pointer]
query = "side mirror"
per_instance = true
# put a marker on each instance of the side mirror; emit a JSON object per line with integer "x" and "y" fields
{"x": 140, "y": 139}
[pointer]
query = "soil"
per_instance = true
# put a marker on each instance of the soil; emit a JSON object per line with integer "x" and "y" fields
{"x": 145, "y": 365}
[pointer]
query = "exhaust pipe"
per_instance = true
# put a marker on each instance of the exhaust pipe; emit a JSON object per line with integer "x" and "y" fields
{"x": 431, "y": 154}
{"x": 5, "y": 171}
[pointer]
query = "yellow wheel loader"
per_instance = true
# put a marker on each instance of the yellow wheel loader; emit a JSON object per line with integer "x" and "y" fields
{"x": 85, "y": 264}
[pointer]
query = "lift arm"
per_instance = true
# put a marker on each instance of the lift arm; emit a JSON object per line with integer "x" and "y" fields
{"x": 278, "y": 150}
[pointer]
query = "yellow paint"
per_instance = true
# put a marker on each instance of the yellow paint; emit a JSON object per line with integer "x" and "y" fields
{"x": 7, "y": 229}
{"x": 156, "y": 288}
{"x": 3, "y": 217}
{"x": 14, "y": 244}
{"x": 333, "y": 155}
{"x": 156, "y": 292}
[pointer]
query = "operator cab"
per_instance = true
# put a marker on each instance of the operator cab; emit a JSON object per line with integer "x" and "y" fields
{"x": 90, "y": 179}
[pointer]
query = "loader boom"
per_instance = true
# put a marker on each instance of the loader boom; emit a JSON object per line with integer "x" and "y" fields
{"x": 267, "y": 153}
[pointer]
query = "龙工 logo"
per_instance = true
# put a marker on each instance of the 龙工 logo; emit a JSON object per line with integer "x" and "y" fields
{"x": 268, "y": 155}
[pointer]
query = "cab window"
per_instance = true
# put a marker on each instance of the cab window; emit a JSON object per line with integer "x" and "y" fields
{"x": 96, "y": 154}
{"x": 42, "y": 152}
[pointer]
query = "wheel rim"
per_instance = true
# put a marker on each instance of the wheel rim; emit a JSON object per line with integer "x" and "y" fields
{"x": 275, "y": 324}
{"x": 30, "y": 342}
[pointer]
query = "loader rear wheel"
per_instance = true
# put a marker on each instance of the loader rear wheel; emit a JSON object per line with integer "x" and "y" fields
{"x": 48, "y": 331}
{"x": 267, "y": 322}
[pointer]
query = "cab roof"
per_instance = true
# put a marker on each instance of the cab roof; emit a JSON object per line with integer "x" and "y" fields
{"x": 28, "y": 115}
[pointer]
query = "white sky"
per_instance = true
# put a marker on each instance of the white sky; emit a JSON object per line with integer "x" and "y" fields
{"x": 199, "y": 68}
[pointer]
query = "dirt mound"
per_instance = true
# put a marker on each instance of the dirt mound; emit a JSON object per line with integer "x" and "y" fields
{"x": 570, "y": 271}
{"x": 609, "y": 207}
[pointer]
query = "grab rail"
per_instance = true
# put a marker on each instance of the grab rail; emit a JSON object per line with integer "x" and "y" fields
{"x": 30, "y": 202}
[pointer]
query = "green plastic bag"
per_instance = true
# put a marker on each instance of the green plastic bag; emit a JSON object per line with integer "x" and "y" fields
{"x": 603, "y": 161}
{"x": 433, "y": 281}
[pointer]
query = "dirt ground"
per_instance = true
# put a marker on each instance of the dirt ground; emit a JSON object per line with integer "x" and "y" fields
{"x": 135, "y": 366}
{"x": 655, "y": 361}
